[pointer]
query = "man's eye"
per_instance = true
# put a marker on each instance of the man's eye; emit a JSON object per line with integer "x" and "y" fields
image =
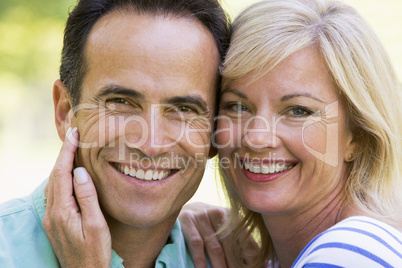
{"x": 117, "y": 101}
{"x": 299, "y": 112}
{"x": 184, "y": 109}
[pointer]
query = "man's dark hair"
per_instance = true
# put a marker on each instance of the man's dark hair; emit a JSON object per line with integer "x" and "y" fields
{"x": 87, "y": 12}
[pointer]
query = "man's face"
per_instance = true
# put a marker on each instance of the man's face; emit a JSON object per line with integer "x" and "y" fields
{"x": 146, "y": 114}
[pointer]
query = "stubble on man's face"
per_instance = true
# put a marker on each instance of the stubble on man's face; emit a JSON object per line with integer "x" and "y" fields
{"x": 149, "y": 100}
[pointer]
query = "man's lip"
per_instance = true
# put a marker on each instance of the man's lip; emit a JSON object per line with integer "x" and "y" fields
{"x": 144, "y": 174}
{"x": 146, "y": 167}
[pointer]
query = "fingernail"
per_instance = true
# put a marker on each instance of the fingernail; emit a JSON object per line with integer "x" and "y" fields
{"x": 68, "y": 133}
{"x": 73, "y": 132}
{"x": 81, "y": 175}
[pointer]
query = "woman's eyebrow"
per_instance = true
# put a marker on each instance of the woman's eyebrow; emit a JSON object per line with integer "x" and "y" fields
{"x": 236, "y": 92}
{"x": 295, "y": 95}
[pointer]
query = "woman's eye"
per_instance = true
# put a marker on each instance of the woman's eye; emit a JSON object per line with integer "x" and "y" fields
{"x": 236, "y": 107}
{"x": 299, "y": 112}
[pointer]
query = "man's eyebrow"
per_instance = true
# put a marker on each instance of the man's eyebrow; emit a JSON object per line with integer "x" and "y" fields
{"x": 196, "y": 100}
{"x": 295, "y": 95}
{"x": 236, "y": 92}
{"x": 119, "y": 90}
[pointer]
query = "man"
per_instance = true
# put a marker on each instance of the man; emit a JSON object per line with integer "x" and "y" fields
{"x": 138, "y": 85}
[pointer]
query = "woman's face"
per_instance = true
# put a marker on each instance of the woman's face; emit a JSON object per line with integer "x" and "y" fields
{"x": 283, "y": 139}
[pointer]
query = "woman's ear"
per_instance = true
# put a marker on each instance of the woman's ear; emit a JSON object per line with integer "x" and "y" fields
{"x": 62, "y": 108}
{"x": 350, "y": 151}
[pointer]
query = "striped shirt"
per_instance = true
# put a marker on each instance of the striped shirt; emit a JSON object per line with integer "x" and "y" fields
{"x": 354, "y": 242}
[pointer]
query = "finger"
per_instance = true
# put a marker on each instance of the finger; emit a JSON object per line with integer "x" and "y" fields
{"x": 59, "y": 170}
{"x": 48, "y": 193}
{"x": 94, "y": 227}
{"x": 247, "y": 247}
{"x": 65, "y": 158}
{"x": 213, "y": 247}
{"x": 218, "y": 217}
{"x": 87, "y": 198}
{"x": 194, "y": 240}
{"x": 61, "y": 174}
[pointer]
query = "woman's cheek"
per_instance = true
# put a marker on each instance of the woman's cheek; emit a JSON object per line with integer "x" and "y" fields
{"x": 228, "y": 134}
{"x": 318, "y": 141}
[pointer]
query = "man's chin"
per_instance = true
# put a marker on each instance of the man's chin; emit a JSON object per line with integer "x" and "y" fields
{"x": 143, "y": 218}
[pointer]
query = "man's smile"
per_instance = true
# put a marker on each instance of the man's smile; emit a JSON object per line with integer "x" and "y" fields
{"x": 144, "y": 174}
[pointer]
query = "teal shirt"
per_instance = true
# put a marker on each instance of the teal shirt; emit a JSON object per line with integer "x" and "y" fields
{"x": 23, "y": 242}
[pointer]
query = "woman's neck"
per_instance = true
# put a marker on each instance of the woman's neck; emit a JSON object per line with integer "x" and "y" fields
{"x": 290, "y": 233}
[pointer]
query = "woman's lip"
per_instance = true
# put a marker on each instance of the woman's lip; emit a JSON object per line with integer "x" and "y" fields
{"x": 278, "y": 160}
{"x": 265, "y": 170}
{"x": 258, "y": 166}
{"x": 264, "y": 177}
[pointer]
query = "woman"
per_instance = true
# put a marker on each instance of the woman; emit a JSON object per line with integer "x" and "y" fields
{"x": 309, "y": 124}
{"x": 309, "y": 140}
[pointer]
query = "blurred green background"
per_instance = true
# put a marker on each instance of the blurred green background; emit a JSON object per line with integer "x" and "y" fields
{"x": 30, "y": 45}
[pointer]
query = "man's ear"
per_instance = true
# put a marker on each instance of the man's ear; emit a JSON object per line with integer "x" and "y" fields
{"x": 62, "y": 108}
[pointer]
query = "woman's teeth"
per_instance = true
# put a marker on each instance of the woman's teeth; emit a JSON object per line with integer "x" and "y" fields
{"x": 267, "y": 169}
{"x": 142, "y": 174}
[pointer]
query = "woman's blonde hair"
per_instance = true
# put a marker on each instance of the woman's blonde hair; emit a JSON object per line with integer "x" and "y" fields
{"x": 269, "y": 31}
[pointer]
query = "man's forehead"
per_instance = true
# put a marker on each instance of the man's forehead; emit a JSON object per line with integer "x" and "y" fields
{"x": 149, "y": 28}
{"x": 160, "y": 57}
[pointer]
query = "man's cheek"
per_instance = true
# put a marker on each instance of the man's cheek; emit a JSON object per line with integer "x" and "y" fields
{"x": 198, "y": 133}
{"x": 93, "y": 129}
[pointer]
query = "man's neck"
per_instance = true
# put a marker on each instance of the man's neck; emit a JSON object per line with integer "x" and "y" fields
{"x": 140, "y": 247}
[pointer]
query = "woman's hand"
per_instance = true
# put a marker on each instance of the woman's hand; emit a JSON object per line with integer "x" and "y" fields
{"x": 74, "y": 223}
{"x": 199, "y": 223}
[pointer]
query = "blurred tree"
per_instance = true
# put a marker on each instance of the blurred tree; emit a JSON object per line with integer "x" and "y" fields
{"x": 31, "y": 40}
{"x": 31, "y": 34}
{"x": 56, "y": 9}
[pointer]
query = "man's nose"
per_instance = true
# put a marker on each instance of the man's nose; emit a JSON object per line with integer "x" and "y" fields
{"x": 156, "y": 136}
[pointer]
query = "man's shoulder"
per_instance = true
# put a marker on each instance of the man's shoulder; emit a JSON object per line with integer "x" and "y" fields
{"x": 355, "y": 242}
{"x": 23, "y": 241}
{"x": 25, "y": 207}
{"x": 14, "y": 206}
{"x": 17, "y": 220}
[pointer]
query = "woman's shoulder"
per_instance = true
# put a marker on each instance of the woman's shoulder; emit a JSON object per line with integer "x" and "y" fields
{"x": 357, "y": 241}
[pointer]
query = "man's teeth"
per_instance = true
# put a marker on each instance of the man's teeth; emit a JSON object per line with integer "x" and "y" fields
{"x": 267, "y": 169}
{"x": 146, "y": 175}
